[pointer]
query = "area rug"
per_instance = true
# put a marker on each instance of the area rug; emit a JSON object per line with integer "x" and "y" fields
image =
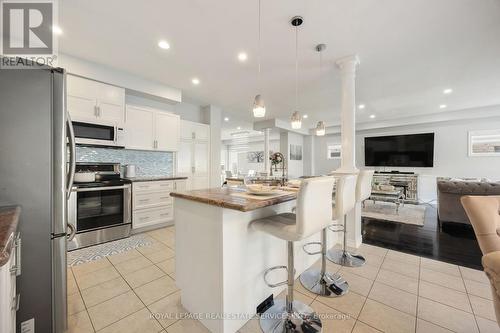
{"x": 409, "y": 214}
{"x": 100, "y": 251}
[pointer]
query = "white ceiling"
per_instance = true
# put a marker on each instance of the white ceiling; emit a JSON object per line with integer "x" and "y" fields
{"x": 410, "y": 51}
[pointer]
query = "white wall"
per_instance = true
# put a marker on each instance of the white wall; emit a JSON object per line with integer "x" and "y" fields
{"x": 239, "y": 157}
{"x": 450, "y": 152}
{"x": 295, "y": 168}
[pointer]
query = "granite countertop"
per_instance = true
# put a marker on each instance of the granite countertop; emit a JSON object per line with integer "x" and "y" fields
{"x": 154, "y": 178}
{"x": 9, "y": 218}
{"x": 222, "y": 197}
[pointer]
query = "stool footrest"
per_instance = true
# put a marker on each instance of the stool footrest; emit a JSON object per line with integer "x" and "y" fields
{"x": 269, "y": 270}
{"x": 336, "y": 227}
{"x": 304, "y": 247}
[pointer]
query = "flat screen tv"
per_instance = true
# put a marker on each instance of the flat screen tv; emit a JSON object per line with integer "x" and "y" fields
{"x": 413, "y": 150}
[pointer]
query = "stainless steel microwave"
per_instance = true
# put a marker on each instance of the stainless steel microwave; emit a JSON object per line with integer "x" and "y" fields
{"x": 99, "y": 134}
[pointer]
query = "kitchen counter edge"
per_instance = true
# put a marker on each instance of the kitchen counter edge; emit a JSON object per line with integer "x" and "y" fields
{"x": 221, "y": 197}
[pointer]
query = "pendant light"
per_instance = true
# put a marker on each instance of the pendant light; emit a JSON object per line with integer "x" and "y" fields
{"x": 320, "y": 127}
{"x": 296, "y": 118}
{"x": 259, "y": 108}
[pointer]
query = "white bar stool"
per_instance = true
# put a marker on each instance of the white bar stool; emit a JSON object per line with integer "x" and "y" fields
{"x": 313, "y": 213}
{"x": 319, "y": 281}
{"x": 363, "y": 192}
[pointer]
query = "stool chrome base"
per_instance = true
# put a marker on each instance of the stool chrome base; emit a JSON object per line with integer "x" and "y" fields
{"x": 345, "y": 258}
{"x": 302, "y": 320}
{"x": 329, "y": 285}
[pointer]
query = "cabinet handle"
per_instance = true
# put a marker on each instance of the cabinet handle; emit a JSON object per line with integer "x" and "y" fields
{"x": 96, "y": 112}
{"x": 15, "y": 302}
{"x": 144, "y": 218}
{"x": 143, "y": 200}
{"x": 16, "y": 269}
{"x": 193, "y": 135}
{"x": 165, "y": 214}
{"x": 99, "y": 111}
{"x": 193, "y": 169}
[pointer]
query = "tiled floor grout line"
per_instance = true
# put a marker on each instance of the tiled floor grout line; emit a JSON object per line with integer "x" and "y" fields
{"x": 418, "y": 294}
{"x": 470, "y": 303}
{"x": 132, "y": 289}
{"x": 314, "y": 298}
{"x": 83, "y": 301}
{"x": 368, "y": 294}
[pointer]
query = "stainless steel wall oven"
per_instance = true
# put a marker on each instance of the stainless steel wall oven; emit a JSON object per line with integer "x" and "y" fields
{"x": 100, "y": 211}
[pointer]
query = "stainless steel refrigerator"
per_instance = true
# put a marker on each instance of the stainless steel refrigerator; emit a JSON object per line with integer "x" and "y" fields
{"x": 34, "y": 174}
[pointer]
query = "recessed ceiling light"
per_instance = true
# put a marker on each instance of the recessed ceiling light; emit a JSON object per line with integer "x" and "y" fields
{"x": 372, "y": 116}
{"x": 238, "y": 128}
{"x": 443, "y": 106}
{"x": 242, "y": 56}
{"x": 226, "y": 119}
{"x": 361, "y": 106}
{"x": 305, "y": 116}
{"x": 57, "y": 30}
{"x": 447, "y": 91}
{"x": 163, "y": 44}
{"x": 195, "y": 81}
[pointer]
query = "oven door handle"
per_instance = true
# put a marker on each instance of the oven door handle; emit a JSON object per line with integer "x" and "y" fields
{"x": 104, "y": 188}
{"x": 72, "y": 232}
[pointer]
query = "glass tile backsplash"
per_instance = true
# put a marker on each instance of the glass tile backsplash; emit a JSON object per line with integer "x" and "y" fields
{"x": 148, "y": 163}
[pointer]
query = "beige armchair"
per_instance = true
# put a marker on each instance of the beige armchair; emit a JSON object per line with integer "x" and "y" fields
{"x": 484, "y": 214}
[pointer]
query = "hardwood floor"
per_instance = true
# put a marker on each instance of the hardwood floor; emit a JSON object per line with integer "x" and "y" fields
{"x": 455, "y": 243}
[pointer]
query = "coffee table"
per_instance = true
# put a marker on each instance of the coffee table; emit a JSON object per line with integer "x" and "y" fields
{"x": 395, "y": 196}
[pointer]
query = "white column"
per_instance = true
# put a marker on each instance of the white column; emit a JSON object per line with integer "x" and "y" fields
{"x": 213, "y": 116}
{"x": 348, "y": 66}
{"x": 266, "y": 150}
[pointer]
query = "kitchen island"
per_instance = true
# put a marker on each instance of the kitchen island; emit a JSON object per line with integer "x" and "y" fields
{"x": 220, "y": 259}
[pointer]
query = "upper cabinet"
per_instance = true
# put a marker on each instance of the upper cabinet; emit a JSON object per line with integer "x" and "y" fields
{"x": 95, "y": 102}
{"x": 194, "y": 131}
{"x": 150, "y": 129}
{"x": 167, "y": 128}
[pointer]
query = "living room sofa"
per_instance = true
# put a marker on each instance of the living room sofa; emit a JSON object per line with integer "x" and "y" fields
{"x": 449, "y": 192}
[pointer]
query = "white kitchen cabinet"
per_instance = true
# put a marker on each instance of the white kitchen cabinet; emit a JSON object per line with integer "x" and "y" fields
{"x": 150, "y": 129}
{"x": 151, "y": 203}
{"x": 8, "y": 293}
{"x": 81, "y": 98}
{"x": 194, "y": 131}
{"x": 167, "y": 128}
{"x": 140, "y": 128}
{"x": 111, "y": 103}
{"x": 180, "y": 185}
{"x": 95, "y": 102}
{"x": 193, "y": 155}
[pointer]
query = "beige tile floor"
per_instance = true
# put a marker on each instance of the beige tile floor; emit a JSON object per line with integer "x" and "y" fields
{"x": 393, "y": 292}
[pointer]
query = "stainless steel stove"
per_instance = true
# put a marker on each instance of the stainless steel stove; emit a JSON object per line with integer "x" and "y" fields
{"x": 100, "y": 211}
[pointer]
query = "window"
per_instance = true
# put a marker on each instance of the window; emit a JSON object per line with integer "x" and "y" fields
{"x": 334, "y": 152}
{"x": 484, "y": 143}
